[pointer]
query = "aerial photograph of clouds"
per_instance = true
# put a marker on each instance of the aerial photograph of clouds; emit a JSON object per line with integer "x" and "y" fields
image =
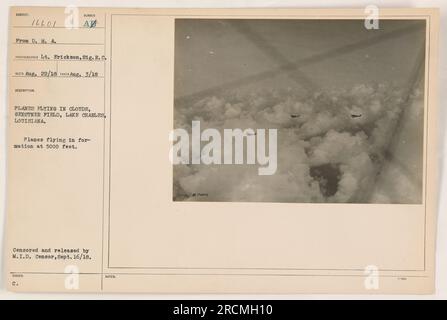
{"x": 347, "y": 102}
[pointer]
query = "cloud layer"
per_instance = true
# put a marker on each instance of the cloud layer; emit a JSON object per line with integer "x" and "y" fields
{"x": 332, "y": 146}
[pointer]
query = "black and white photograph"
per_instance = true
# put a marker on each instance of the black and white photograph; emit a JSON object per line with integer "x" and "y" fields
{"x": 345, "y": 99}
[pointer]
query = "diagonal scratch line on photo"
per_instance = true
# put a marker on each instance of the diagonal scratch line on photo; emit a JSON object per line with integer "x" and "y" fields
{"x": 288, "y": 67}
{"x": 297, "y": 75}
{"x": 403, "y": 169}
{"x": 413, "y": 81}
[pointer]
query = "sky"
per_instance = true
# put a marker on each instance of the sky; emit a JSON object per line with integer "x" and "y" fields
{"x": 230, "y": 50}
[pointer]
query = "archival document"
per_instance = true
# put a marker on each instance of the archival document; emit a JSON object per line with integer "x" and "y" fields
{"x": 222, "y": 150}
